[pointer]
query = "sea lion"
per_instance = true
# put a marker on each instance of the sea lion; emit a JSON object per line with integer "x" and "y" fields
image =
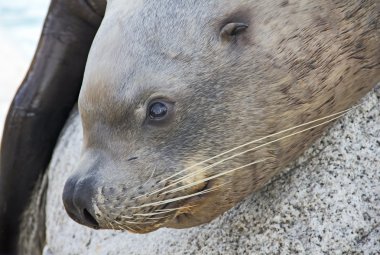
{"x": 42, "y": 105}
{"x": 189, "y": 107}
{"x": 227, "y": 73}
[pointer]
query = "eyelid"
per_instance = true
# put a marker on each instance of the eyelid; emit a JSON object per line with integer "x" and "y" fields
{"x": 158, "y": 96}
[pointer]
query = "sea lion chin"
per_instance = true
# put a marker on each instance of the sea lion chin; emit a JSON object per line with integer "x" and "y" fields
{"x": 189, "y": 108}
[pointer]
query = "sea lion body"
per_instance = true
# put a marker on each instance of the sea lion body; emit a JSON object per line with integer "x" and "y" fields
{"x": 224, "y": 74}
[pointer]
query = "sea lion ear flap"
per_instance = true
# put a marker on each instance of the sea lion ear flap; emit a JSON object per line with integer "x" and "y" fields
{"x": 231, "y": 30}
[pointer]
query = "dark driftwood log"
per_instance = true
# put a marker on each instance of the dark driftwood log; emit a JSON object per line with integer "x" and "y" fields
{"x": 42, "y": 105}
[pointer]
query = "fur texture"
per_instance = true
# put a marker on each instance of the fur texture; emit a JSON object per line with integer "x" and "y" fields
{"x": 296, "y": 62}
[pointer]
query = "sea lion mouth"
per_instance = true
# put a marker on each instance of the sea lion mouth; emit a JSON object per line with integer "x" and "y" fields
{"x": 172, "y": 213}
{"x": 193, "y": 200}
{"x": 197, "y": 198}
{"x": 185, "y": 207}
{"x": 180, "y": 211}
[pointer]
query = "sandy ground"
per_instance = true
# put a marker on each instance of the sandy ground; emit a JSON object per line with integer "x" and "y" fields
{"x": 13, "y": 66}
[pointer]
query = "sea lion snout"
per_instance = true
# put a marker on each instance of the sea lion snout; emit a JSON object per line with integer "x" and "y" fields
{"x": 77, "y": 199}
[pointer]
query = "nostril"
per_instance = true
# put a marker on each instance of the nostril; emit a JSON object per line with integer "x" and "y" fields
{"x": 133, "y": 158}
{"x": 77, "y": 197}
{"x": 87, "y": 215}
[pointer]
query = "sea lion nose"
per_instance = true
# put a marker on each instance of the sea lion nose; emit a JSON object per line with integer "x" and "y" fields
{"x": 77, "y": 199}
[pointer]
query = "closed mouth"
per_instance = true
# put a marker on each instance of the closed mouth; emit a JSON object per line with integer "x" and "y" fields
{"x": 191, "y": 201}
{"x": 177, "y": 210}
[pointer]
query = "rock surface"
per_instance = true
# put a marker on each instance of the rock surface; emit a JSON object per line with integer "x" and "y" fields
{"x": 326, "y": 202}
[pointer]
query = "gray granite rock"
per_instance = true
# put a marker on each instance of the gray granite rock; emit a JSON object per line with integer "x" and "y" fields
{"x": 326, "y": 202}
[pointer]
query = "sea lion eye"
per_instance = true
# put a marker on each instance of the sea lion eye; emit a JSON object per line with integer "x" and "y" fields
{"x": 231, "y": 30}
{"x": 157, "y": 110}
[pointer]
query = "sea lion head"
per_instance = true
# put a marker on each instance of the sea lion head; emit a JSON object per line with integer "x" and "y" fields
{"x": 175, "y": 100}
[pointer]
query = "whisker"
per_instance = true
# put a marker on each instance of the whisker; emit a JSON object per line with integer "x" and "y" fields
{"x": 128, "y": 227}
{"x": 254, "y": 141}
{"x": 214, "y": 176}
{"x": 119, "y": 207}
{"x": 158, "y": 218}
{"x": 238, "y": 154}
{"x": 249, "y": 150}
{"x": 150, "y": 214}
{"x": 163, "y": 211}
{"x": 112, "y": 226}
{"x": 126, "y": 217}
{"x": 140, "y": 214}
{"x": 122, "y": 228}
{"x": 171, "y": 209}
{"x": 151, "y": 175}
{"x": 178, "y": 198}
{"x": 341, "y": 113}
{"x": 107, "y": 225}
{"x": 136, "y": 222}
